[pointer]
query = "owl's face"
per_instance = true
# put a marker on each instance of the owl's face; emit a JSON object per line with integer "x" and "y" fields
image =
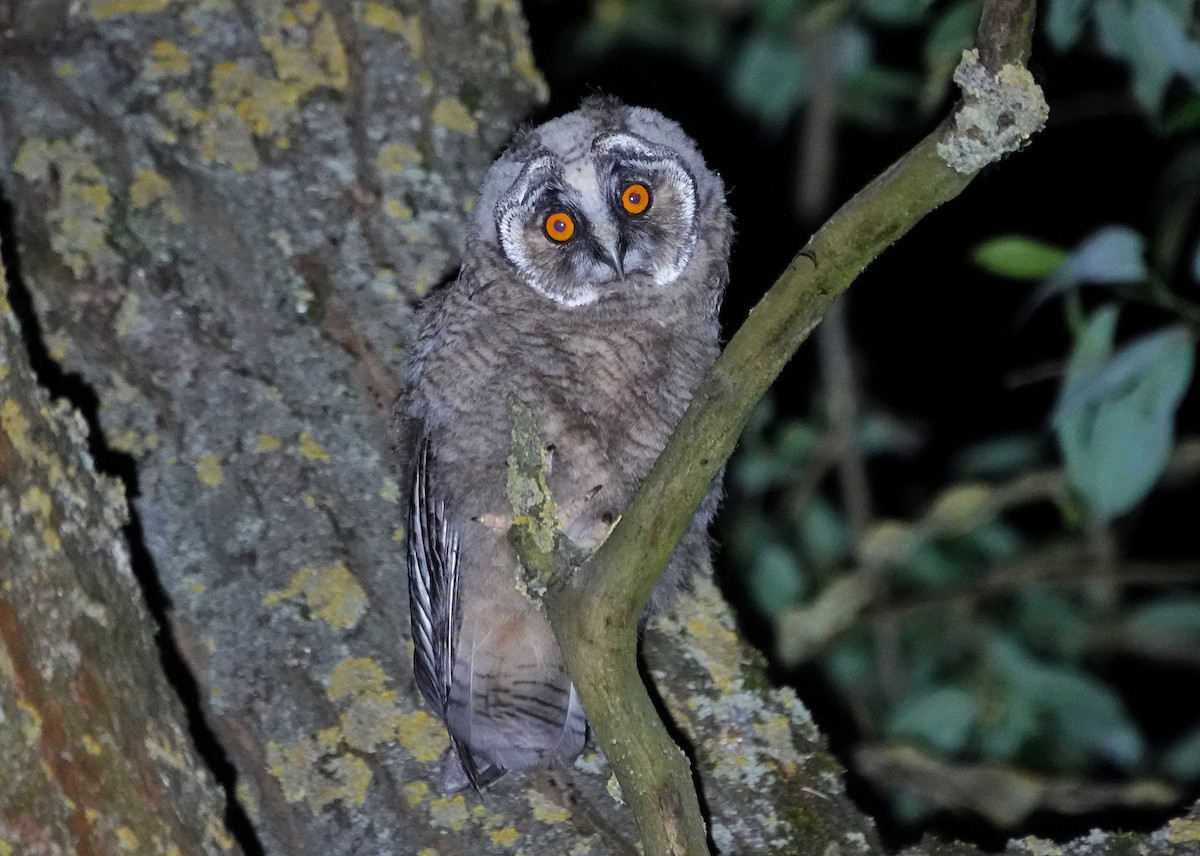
{"x": 617, "y": 213}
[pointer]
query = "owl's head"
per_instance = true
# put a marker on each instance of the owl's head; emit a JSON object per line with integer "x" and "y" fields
{"x": 605, "y": 200}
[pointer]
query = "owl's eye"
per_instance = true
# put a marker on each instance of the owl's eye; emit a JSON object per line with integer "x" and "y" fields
{"x": 560, "y": 227}
{"x": 635, "y": 198}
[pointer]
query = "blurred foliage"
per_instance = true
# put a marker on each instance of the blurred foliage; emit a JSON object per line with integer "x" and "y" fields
{"x": 963, "y": 630}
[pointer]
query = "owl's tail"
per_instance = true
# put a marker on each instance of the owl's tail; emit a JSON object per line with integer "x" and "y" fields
{"x": 511, "y": 706}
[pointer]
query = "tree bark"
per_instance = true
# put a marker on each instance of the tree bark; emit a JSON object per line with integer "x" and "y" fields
{"x": 94, "y": 745}
{"x": 224, "y": 212}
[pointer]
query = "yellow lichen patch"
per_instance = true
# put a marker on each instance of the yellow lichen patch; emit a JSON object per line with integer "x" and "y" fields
{"x": 79, "y": 217}
{"x": 310, "y": 771}
{"x": 57, "y": 343}
{"x": 127, "y": 839}
{"x": 544, "y": 810}
{"x": 31, "y": 729}
{"x": 226, "y": 139}
{"x": 427, "y": 851}
{"x": 505, "y": 837}
{"x": 91, "y": 745}
{"x": 311, "y": 449}
{"x": 398, "y": 534}
{"x": 180, "y": 110}
{"x": 129, "y": 316}
{"x": 614, "y": 789}
{"x": 167, "y": 59}
{"x": 149, "y": 188}
{"x": 160, "y": 747}
{"x": 1183, "y": 830}
{"x": 267, "y": 443}
{"x": 209, "y": 470}
{"x": 247, "y": 798}
{"x": 524, "y": 65}
{"x": 422, "y": 735}
{"x": 129, "y": 441}
{"x": 396, "y": 209}
{"x": 14, "y": 423}
{"x": 449, "y": 812}
{"x": 37, "y": 501}
{"x": 331, "y": 593}
{"x": 452, "y": 114}
{"x": 369, "y": 715}
{"x": 102, "y": 9}
{"x": 354, "y": 677}
{"x": 775, "y": 735}
{"x": 266, "y": 106}
{"x": 416, "y": 792}
{"x": 390, "y": 492}
{"x": 303, "y": 67}
{"x": 389, "y": 20}
{"x": 66, "y": 69}
{"x": 394, "y": 158}
{"x": 215, "y": 829}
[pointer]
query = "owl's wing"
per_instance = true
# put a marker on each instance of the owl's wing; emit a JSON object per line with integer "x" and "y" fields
{"x": 433, "y": 564}
{"x": 432, "y": 584}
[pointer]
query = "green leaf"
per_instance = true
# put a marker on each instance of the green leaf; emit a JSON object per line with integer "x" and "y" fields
{"x": 1085, "y": 713}
{"x": 1112, "y": 254}
{"x": 775, "y": 579}
{"x": 796, "y": 442}
{"x": 1005, "y": 455}
{"x": 1152, "y": 37}
{"x": 1019, "y": 257}
{"x": 1064, "y": 21}
{"x": 943, "y": 718}
{"x": 755, "y": 472}
{"x": 1053, "y": 621}
{"x": 952, "y": 32}
{"x": 1009, "y": 724}
{"x": 823, "y": 533}
{"x": 996, "y": 541}
{"x": 849, "y": 663}
{"x": 879, "y": 96}
{"x": 896, "y": 12}
{"x": 1181, "y": 760}
{"x": 929, "y": 567}
{"x": 1115, "y": 416}
{"x": 1171, "y": 619}
{"x": 770, "y": 78}
{"x": 879, "y": 433}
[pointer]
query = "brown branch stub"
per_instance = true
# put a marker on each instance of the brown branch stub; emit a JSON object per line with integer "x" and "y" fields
{"x": 1005, "y": 33}
{"x": 999, "y": 112}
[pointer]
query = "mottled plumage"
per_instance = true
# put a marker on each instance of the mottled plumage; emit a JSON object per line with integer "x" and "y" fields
{"x": 590, "y": 286}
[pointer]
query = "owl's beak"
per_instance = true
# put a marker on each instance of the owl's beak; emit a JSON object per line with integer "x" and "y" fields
{"x": 610, "y": 252}
{"x": 616, "y": 260}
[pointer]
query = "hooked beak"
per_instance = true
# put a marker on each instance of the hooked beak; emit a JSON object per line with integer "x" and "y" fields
{"x": 610, "y": 251}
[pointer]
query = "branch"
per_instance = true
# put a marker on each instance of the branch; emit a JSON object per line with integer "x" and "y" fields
{"x": 595, "y": 612}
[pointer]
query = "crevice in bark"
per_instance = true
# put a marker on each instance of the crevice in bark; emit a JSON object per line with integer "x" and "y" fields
{"x": 62, "y": 384}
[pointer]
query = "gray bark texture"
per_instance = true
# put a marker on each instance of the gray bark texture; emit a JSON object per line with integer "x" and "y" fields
{"x": 225, "y": 210}
{"x": 95, "y": 752}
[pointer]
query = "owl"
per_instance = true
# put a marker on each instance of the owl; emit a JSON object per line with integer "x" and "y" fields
{"x": 590, "y": 285}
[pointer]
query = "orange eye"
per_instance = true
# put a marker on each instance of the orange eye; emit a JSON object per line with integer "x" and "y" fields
{"x": 560, "y": 227}
{"x": 635, "y": 198}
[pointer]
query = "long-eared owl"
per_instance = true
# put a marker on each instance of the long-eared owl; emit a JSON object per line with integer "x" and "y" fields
{"x": 591, "y": 281}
